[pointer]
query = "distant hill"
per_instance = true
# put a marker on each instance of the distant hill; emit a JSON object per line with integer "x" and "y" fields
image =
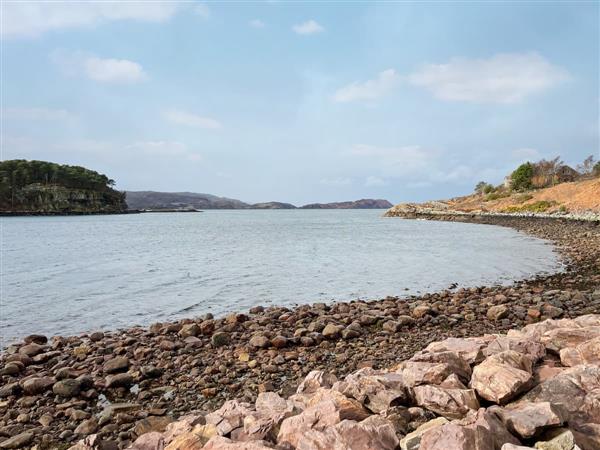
{"x": 41, "y": 187}
{"x": 272, "y": 205}
{"x": 175, "y": 200}
{"x": 182, "y": 200}
{"x": 365, "y": 203}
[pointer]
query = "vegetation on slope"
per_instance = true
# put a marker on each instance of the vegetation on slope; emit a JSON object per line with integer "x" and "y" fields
{"x": 46, "y": 187}
{"x": 542, "y": 186}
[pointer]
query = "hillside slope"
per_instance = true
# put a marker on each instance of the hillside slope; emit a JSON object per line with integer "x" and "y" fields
{"x": 174, "y": 200}
{"x": 578, "y": 196}
{"x": 365, "y": 203}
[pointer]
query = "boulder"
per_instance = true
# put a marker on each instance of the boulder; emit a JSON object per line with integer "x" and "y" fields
{"x": 187, "y": 441}
{"x": 314, "y": 380}
{"x": 587, "y": 435}
{"x": 119, "y": 380}
{"x": 488, "y": 419}
{"x": 221, "y": 443}
{"x": 67, "y": 388}
{"x": 503, "y": 376}
{"x": 87, "y": 427}
{"x": 433, "y": 368}
{"x": 259, "y": 341}
{"x": 563, "y": 441}
{"x": 118, "y": 364}
{"x": 32, "y": 349}
{"x": 376, "y": 390}
{"x": 497, "y": 312}
{"x": 449, "y": 403}
{"x": 557, "y": 339}
{"x": 219, "y": 339}
{"x": 468, "y": 349}
{"x": 150, "y": 441}
{"x": 575, "y": 389}
{"x": 535, "y": 350}
{"x": 332, "y": 331}
{"x": 412, "y": 441}
{"x": 452, "y": 436}
{"x": 229, "y": 417}
{"x": 190, "y": 329}
{"x": 374, "y": 432}
{"x": 318, "y": 417}
{"x": 18, "y": 441}
{"x": 37, "y": 385}
{"x": 271, "y": 409}
{"x": 150, "y": 424}
{"x": 421, "y": 311}
{"x": 35, "y": 338}
{"x": 279, "y": 341}
{"x": 528, "y": 419}
{"x": 347, "y": 408}
{"x": 587, "y": 352}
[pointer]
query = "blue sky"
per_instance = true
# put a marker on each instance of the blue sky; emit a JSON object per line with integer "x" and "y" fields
{"x": 301, "y": 102}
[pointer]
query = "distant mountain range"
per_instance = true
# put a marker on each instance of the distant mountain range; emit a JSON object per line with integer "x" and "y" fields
{"x": 185, "y": 200}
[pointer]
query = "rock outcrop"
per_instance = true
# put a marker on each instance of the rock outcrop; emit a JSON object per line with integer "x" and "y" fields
{"x": 394, "y": 408}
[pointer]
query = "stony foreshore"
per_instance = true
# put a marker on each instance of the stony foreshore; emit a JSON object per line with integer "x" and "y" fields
{"x": 538, "y": 387}
{"x": 120, "y": 385}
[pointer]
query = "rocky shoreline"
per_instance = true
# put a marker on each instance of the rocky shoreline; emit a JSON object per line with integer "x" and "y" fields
{"x": 120, "y": 385}
{"x": 537, "y": 387}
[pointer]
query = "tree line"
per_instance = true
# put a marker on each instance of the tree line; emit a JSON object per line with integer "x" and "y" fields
{"x": 543, "y": 173}
{"x": 18, "y": 173}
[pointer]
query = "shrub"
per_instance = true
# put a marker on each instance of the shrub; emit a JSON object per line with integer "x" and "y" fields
{"x": 522, "y": 176}
{"x": 522, "y": 198}
{"x": 536, "y": 207}
{"x": 495, "y": 196}
{"x": 484, "y": 188}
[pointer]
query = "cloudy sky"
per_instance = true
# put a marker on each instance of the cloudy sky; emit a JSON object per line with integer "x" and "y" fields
{"x": 300, "y": 102}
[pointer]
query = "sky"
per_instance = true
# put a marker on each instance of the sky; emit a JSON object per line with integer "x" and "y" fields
{"x": 300, "y": 101}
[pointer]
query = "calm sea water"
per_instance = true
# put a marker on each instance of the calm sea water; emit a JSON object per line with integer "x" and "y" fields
{"x": 66, "y": 275}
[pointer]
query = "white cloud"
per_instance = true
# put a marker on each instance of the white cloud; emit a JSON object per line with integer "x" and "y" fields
{"x": 30, "y": 19}
{"x": 35, "y": 114}
{"x": 191, "y": 120}
{"x": 368, "y": 90}
{"x": 308, "y": 27}
{"x": 19, "y": 147}
{"x": 503, "y": 78}
{"x": 337, "y": 181}
{"x": 114, "y": 70}
{"x": 411, "y": 164}
{"x": 374, "y": 181}
{"x": 256, "y": 23}
{"x": 103, "y": 70}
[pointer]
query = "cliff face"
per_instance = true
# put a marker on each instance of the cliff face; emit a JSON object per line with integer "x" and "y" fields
{"x": 43, "y": 187}
{"x": 53, "y": 199}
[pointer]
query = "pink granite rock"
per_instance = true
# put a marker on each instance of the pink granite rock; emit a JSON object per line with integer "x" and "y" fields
{"x": 503, "y": 376}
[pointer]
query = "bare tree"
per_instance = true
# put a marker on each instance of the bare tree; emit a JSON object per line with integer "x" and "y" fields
{"x": 587, "y": 166}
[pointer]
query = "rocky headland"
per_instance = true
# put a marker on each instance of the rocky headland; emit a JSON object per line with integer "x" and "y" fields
{"x": 46, "y": 188}
{"x": 112, "y": 388}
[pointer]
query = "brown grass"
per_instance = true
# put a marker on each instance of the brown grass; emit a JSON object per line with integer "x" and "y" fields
{"x": 573, "y": 197}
